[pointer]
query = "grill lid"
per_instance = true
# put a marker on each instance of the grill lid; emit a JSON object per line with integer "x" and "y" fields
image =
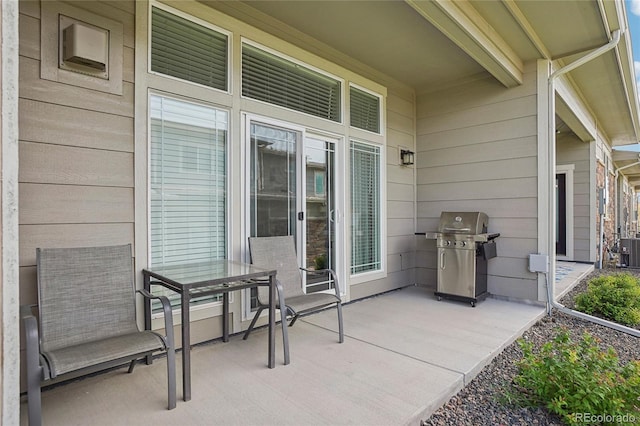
{"x": 469, "y": 223}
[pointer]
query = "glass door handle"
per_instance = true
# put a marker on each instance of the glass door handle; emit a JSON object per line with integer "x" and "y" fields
{"x": 300, "y": 215}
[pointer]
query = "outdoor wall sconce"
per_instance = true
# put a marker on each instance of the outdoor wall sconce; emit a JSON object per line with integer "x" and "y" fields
{"x": 406, "y": 157}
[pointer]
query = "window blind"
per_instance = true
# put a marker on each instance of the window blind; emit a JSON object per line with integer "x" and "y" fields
{"x": 364, "y": 110}
{"x": 183, "y": 49}
{"x": 187, "y": 182}
{"x": 275, "y": 80}
{"x": 365, "y": 208}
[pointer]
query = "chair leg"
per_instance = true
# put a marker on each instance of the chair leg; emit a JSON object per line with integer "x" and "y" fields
{"x": 34, "y": 400}
{"x": 253, "y": 322}
{"x": 283, "y": 321}
{"x": 171, "y": 376}
{"x": 132, "y": 365}
{"x": 293, "y": 320}
{"x": 340, "y": 327}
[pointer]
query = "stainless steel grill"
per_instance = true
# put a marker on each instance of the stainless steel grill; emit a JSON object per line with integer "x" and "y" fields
{"x": 464, "y": 246}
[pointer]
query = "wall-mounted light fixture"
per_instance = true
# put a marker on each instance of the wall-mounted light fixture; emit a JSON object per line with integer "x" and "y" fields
{"x": 406, "y": 157}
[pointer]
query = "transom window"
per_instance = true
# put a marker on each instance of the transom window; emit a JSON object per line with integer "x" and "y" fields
{"x": 270, "y": 78}
{"x": 189, "y": 51}
{"x": 364, "y": 110}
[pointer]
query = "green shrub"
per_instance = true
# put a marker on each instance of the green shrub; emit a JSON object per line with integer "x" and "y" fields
{"x": 615, "y": 297}
{"x": 574, "y": 378}
{"x": 320, "y": 262}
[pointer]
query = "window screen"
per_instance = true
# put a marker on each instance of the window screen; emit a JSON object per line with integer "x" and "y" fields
{"x": 187, "y": 182}
{"x": 365, "y": 208}
{"x": 186, "y": 50}
{"x": 275, "y": 80}
{"x": 364, "y": 110}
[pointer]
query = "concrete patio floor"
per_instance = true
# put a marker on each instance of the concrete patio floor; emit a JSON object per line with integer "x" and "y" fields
{"x": 404, "y": 355}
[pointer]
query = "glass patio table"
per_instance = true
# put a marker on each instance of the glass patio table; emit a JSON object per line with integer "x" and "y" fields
{"x": 205, "y": 279}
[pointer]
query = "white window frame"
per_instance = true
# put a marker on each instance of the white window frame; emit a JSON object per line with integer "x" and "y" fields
{"x": 341, "y": 233}
{"x": 568, "y": 170}
{"x": 202, "y": 310}
{"x": 382, "y": 272}
{"x": 380, "y": 113}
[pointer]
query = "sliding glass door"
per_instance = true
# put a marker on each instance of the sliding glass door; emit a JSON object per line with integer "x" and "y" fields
{"x": 292, "y": 191}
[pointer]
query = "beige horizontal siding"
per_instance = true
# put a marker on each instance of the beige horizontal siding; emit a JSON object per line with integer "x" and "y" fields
{"x": 477, "y": 146}
{"x": 400, "y": 192}
{"x": 55, "y": 164}
{"x": 64, "y": 125}
{"x": 29, "y": 37}
{"x": 400, "y": 227}
{"x": 70, "y": 235}
{"x": 50, "y": 204}
{"x": 514, "y": 208}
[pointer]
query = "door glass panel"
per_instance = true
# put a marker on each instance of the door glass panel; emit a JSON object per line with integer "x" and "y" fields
{"x": 561, "y": 213}
{"x": 319, "y": 161}
{"x": 273, "y": 189}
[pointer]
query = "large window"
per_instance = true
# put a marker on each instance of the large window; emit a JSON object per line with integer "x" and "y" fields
{"x": 188, "y": 180}
{"x": 365, "y": 208}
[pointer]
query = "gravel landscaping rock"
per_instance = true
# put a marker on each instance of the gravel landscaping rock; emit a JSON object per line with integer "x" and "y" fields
{"x": 481, "y": 402}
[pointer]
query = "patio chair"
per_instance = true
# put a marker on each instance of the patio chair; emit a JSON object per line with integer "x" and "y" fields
{"x": 280, "y": 253}
{"x": 87, "y": 319}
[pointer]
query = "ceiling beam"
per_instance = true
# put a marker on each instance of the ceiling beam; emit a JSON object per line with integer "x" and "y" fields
{"x": 463, "y": 25}
{"x": 533, "y": 37}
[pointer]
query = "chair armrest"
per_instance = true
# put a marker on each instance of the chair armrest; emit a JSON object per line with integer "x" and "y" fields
{"x": 259, "y": 281}
{"x": 331, "y": 273}
{"x": 27, "y": 311}
{"x": 168, "y": 317}
{"x": 35, "y": 371}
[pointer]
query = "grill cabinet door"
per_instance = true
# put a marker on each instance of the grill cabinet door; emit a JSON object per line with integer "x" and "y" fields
{"x": 457, "y": 271}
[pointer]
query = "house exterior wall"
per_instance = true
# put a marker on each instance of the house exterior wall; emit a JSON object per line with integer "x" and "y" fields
{"x": 627, "y": 215}
{"x": 400, "y": 239}
{"x": 570, "y": 150}
{"x": 79, "y": 178}
{"x": 76, "y": 152}
{"x": 478, "y": 152}
{"x": 605, "y": 180}
{"x": 76, "y": 179}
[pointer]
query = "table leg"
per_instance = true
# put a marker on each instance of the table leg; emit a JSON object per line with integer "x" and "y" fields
{"x": 272, "y": 321}
{"x": 147, "y": 311}
{"x": 186, "y": 346}
{"x": 225, "y": 317}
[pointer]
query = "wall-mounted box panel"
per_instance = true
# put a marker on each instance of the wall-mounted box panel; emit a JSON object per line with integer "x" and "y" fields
{"x": 86, "y": 45}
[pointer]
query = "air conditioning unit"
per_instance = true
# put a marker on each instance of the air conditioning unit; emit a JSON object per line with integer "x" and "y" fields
{"x": 630, "y": 251}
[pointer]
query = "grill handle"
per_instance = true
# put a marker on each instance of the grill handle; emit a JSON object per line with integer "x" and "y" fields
{"x": 442, "y": 265}
{"x": 447, "y": 228}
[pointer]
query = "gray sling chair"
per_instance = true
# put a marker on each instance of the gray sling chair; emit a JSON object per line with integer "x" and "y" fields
{"x": 280, "y": 253}
{"x": 87, "y": 319}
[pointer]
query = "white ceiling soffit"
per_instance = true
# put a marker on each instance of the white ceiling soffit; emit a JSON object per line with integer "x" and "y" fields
{"x": 462, "y": 24}
{"x": 387, "y": 36}
{"x": 628, "y": 159}
{"x": 578, "y": 125}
